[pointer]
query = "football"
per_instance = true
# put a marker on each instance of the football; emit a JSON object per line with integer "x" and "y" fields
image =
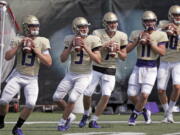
{"x": 27, "y": 45}
{"x": 144, "y": 38}
{"x": 170, "y": 29}
{"x": 112, "y": 49}
{"x": 76, "y": 43}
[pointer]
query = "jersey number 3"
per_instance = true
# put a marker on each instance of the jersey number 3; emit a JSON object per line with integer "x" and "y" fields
{"x": 80, "y": 55}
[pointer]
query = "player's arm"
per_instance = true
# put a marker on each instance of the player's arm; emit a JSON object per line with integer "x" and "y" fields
{"x": 44, "y": 56}
{"x": 122, "y": 53}
{"x": 11, "y": 53}
{"x": 131, "y": 45}
{"x": 94, "y": 54}
{"x": 159, "y": 48}
{"x": 65, "y": 54}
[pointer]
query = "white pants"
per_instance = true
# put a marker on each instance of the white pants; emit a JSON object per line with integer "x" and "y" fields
{"x": 165, "y": 70}
{"x": 107, "y": 83}
{"x": 74, "y": 84}
{"x": 15, "y": 83}
{"x": 142, "y": 80}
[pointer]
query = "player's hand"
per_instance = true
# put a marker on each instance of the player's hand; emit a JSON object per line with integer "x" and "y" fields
{"x": 108, "y": 44}
{"x": 171, "y": 29}
{"x": 36, "y": 50}
{"x": 144, "y": 38}
{"x": 27, "y": 45}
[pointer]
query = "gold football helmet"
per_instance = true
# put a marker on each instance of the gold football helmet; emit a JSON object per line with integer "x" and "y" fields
{"x": 77, "y": 23}
{"x": 110, "y": 17}
{"x": 29, "y": 21}
{"x": 149, "y": 20}
{"x": 174, "y": 14}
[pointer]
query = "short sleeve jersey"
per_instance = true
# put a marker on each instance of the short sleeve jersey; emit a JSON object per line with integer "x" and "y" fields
{"x": 145, "y": 52}
{"x": 29, "y": 63}
{"x": 120, "y": 38}
{"x": 81, "y": 62}
{"x": 172, "y": 47}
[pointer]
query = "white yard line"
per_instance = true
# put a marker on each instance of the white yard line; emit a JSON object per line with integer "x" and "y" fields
{"x": 77, "y": 122}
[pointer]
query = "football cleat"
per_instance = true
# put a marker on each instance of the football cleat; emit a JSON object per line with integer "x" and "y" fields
{"x": 72, "y": 117}
{"x": 165, "y": 120}
{"x": 170, "y": 118}
{"x": 17, "y": 131}
{"x": 132, "y": 119}
{"x": 64, "y": 127}
{"x": 93, "y": 124}
{"x": 147, "y": 116}
{"x": 83, "y": 121}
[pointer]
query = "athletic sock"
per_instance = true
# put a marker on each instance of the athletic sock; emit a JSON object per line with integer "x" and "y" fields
{"x": 2, "y": 119}
{"x": 165, "y": 107}
{"x": 86, "y": 112}
{"x": 171, "y": 105}
{"x": 94, "y": 118}
{"x": 19, "y": 123}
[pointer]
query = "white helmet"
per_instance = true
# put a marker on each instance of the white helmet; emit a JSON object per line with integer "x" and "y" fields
{"x": 174, "y": 10}
{"x": 149, "y": 16}
{"x": 108, "y": 18}
{"x": 28, "y": 21}
{"x": 77, "y": 22}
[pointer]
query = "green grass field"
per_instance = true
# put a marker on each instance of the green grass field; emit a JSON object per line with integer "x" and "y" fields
{"x": 46, "y": 123}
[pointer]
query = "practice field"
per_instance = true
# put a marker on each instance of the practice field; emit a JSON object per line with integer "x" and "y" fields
{"x": 46, "y": 124}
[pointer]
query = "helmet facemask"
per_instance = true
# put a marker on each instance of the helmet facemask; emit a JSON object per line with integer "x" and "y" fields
{"x": 149, "y": 25}
{"x": 176, "y": 18}
{"x": 111, "y": 26}
{"x": 33, "y": 29}
{"x": 82, "y": 30}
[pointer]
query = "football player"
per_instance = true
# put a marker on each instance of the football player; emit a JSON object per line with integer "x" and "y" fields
{"x": 170, "y": 63}
{"x": 30, "y": 50}
{"x": 83, "y": 49}
{"x": 114, "y": 47}
{"x": 150, "y": 45}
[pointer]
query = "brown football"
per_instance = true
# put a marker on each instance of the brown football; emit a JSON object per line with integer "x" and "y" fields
{"x": 76, "y": 44}
{"x": 144, "y": 38}
{"x": 112, "y": 50}
{"x": 27, "y": 45}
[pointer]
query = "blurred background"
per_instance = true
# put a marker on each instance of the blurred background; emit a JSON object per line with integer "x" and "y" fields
{"x": 55, "y": 23}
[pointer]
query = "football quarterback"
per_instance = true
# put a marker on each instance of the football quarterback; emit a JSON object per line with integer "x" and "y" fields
{"x": 113, "y": 47}
{"x": 170, "y": 63}
{"x": 79, "y": 75}
{"x": 150, "y": 45}
{"x": 30, "y": 50}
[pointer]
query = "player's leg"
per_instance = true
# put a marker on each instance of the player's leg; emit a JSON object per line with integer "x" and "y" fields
{"x": 10, "y": 90}
{"x": 143, "y": 98}
{"x": 175, "y": 92}
{"x": 107, "y": 84}
{"x": 87, "y": 97}
{"x": 162, "y": 82}
{"x": 80, "y": 84}
{"x": 63, "y": 88}
{"x": 31, "y": 90}
{"x": 132, "y": 92}
{"x": 147, "y": 84}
